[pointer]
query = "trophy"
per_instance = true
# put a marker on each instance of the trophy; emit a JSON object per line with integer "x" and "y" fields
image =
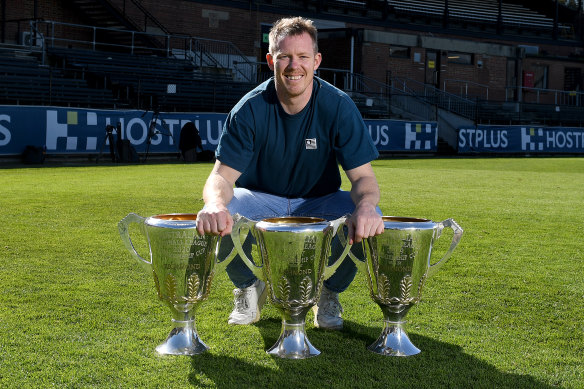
{"x": 293, "y": 254}
{"x": 182, "y": 263}
{"x": 397, "y": 263}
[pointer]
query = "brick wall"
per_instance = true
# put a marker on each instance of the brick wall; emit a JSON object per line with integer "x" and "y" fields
{"x": 241, "y": 27}
{"x": 19, "y": 12}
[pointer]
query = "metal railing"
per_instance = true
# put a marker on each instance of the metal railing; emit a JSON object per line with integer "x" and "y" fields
{"x": 545, "y": 96}
{"x": 218, "y": 53}
{"x": 205, "y": 53}
{"x": 463, "y": 88}
{"x": 127, "y": 8}
{"x": 520, "y": 94}
{"x": 37, "y": 39}
{"x": 371, "y": 94}
{"x": 409, "y": 95}
{"x": 432, "y": 95}
{"x": 379, "y": 96}
{"x": 28, "y": 39}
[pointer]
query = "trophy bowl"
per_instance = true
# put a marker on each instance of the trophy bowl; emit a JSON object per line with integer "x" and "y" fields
{"x": 293, "y": 252}
{"x": 182, "y": 263}
{"x": 397, "y": 263}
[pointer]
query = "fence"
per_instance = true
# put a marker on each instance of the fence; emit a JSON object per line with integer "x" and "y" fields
{"x": 202, "y": 52}
{"x": 546, "y": 96}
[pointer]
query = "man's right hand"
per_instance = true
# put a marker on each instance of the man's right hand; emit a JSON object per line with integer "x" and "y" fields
{"x": 214, "y": 220}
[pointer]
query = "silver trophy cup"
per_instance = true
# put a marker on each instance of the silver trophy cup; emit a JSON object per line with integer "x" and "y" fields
{"x": 397, "y": 263}
{"x": 293, "y": 252}
{"x": 182, "y": 263}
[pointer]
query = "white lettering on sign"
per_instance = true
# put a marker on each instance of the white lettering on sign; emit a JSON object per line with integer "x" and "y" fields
{"x": 379, "y": 134}
{"x": 5, "y": 134}
{"x": 483, "y": 138}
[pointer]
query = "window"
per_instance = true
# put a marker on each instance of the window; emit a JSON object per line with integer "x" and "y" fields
{"x": 399, "y": 51}
{"x": 540, "y": 76}
{"x": 462, "y": 58}
{"x": 573, "y": 79}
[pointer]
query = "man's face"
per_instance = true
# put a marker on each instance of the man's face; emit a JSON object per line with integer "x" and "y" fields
{"x": 294, "y": 63}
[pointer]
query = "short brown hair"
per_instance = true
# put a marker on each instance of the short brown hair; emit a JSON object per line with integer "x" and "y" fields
{"x": 292, "y": 26}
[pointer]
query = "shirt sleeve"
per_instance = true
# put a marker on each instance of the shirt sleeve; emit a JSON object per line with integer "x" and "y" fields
{"x": 353, "y": 144}
{"x": 235, "y": 148}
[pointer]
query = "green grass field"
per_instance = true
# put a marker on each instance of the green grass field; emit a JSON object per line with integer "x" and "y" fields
{"x": 506, "y": 311}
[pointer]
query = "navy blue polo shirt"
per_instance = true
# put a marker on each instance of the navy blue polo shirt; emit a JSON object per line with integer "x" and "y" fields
{"x": 294, "y": 155}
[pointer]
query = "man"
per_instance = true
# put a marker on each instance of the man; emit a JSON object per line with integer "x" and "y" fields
{"x": 280, "y": 147}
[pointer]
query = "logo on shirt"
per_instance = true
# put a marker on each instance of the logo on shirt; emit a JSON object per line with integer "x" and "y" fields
{"x": 311, "y": 144}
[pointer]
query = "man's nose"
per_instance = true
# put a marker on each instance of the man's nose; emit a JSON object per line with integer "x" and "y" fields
{"x": 293, "y": 62}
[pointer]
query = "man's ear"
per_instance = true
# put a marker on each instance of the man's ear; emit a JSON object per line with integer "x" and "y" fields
{"x": 317, "y": 60}
{"x": 270, "y": 60}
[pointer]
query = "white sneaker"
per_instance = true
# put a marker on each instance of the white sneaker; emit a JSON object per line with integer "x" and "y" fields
{"x": 327, "y": 313}
{"x": 248, "y": 303}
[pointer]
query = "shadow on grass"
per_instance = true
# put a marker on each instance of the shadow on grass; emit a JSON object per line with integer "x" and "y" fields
{"x": 345, "y": 362}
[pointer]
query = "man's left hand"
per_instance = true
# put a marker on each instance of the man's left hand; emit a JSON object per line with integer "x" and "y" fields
{"x": 365, "y": 222}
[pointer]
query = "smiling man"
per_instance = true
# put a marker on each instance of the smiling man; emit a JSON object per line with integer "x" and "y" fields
{"x": 281, "y": 148}
{"x": 294, "y": 59}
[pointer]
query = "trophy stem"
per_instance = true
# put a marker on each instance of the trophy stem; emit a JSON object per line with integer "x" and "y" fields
{"x": 183, "y": 340}
{"x": 293, "y": 343}
{"x": 394, "y": 341}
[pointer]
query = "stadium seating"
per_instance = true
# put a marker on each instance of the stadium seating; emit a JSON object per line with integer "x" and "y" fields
{"x": 111, "y": 79}
{"x": 87, "y": 78}
{"x": 478, "y": 10}
{"x": 23, "y": 80}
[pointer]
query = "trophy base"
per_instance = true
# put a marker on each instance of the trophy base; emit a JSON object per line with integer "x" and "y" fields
{"x": 293, "y": 343}
{"x": 394, "y": 341}
{"x": 183, "y": 340}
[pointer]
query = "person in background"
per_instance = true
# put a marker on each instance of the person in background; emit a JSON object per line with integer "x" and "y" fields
{"x": 189, "y": 142}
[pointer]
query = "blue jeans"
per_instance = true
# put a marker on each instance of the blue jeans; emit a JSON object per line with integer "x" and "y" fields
{"x": 259, "y": 205}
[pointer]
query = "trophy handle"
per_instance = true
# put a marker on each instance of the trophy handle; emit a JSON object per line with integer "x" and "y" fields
{"x": 448, "y": 223}
{"x": 123, "y": 226}
{"x": 337, "y": 228}
{"x": 240, "y": 222}
{"x": 223, "y": 264}
{"x": 360, "y": 264}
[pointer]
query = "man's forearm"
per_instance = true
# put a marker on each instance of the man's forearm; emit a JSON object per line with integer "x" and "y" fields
{"x": 217, "y": 192}
{"x": 365, "y": 191}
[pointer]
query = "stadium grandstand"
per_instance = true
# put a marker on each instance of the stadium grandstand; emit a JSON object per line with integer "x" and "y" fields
{"x": 456, "y": 62}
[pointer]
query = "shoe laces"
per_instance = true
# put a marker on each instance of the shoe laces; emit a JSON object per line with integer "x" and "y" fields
{"x": 331, "y": 306}
{"x": 241, "y": 299}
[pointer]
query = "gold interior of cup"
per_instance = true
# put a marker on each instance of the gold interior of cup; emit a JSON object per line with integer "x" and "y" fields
{"x": 177, "y": 216}
{"x": 404, "y": 219}
{"x": 293, "y": 220}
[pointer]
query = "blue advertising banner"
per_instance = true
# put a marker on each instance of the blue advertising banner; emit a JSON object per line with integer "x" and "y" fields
{"x": 397, "y": 135}
{"x": 520, "y": 139}
{"x": 83, "y": 131}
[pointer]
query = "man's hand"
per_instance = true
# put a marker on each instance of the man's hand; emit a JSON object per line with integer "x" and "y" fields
{"x": 214, "y": 220}
{"x": 364, "y": 222}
